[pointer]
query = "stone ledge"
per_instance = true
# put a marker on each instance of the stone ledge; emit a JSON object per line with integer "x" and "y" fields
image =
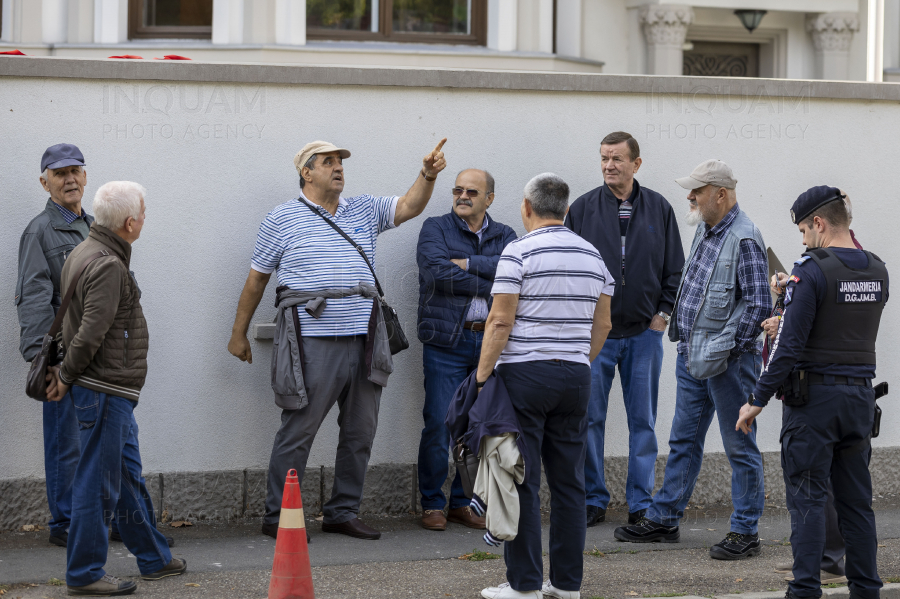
{"x": 389, "y": 489}
{"x": 888, "y": 591}
{"x": 290, "y": 74}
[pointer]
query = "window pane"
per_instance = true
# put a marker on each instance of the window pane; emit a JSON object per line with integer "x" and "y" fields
{"x": 342, "y": 15}
{"x": 178, "y": 13}
{"x": 432, "y": 16}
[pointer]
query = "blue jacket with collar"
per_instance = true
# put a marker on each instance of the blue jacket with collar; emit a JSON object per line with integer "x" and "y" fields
{"x": 446, "y": 290}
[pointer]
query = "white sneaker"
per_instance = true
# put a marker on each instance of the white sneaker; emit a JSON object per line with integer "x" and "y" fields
{"x": 504, "y": 591}
{"x": 551, "y": 591}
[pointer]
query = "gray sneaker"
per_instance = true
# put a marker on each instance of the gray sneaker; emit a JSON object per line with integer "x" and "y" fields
{"x": 173, "y": 568}
{"x": 108, "y": 586}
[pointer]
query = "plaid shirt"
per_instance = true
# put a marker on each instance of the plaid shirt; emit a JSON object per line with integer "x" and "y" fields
{"x": 753, "y": 285}
{"x": 68, "y": 215}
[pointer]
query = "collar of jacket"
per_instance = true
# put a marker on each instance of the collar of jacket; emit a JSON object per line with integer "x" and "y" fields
{"x": 606, "y": 192}
{"x": 56, "y": 218}
{"x": 492, "y": 229}
{"x": 119, "y": 246}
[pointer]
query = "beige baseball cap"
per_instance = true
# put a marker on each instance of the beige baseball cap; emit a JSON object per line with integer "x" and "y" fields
{"x": 317, "y": 147}
{"x": 710, "y": 172}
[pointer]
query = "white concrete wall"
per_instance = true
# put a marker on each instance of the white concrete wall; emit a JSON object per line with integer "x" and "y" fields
{"x": 215, "y": 166}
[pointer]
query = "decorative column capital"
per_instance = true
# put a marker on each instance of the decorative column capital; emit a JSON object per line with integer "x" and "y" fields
{"x": 665, "y": 24}
{"x": 832, "y": 31}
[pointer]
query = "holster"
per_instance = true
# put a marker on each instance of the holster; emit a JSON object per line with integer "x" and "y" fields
{"x": 795, "y": 389}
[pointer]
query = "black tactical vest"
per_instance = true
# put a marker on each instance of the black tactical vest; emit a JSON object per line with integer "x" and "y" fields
{"x": 846, "y": 323}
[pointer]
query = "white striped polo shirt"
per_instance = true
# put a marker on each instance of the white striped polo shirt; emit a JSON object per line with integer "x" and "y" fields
{"x": 309, "y": 256}
{"x": 558, "y": 277}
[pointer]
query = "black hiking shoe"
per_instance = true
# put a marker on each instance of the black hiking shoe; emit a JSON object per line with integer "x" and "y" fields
{"x": 595, "y": 515}
{"x": 647, "y": 531}
{"x": 736, "y": 546}
{"x": 635, "y": 517}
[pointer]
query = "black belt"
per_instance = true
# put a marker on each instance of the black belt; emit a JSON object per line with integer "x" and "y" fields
{"x": 815, "y": 378}
{"x": 474, "y": 326}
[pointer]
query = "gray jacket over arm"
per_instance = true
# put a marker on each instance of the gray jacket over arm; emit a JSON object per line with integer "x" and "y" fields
{"x": 45, "y": 244}
{"x": 287, "y": 367}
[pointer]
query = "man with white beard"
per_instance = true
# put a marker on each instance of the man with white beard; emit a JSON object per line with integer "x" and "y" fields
{"x": 722, "y": 299}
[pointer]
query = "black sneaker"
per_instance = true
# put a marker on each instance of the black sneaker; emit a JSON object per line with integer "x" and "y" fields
{"x": 115, "y": 536}
{"x": 635, "y": 517}
{"x": 647, "y": 531}
{"x": 595, "y": 515}
{"x": 736, "y": 546}
{"x": 60, "y": 539}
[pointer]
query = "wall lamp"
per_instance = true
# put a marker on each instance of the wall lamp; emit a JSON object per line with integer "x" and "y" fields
{"x": 750, "y": 18}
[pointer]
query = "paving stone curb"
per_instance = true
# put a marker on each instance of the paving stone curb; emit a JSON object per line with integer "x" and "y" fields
{"x": 889, "y": 591}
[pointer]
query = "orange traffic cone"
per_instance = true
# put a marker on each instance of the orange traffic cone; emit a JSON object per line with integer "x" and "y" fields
{"x": 291, "y": 573}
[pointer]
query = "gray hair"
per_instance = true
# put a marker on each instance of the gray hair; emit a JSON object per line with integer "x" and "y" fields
{"x": 310, "y": 164}
{"x": 116, "y": 201}
{"x": 549, "y": 196}
{"x": 46, "y": 174}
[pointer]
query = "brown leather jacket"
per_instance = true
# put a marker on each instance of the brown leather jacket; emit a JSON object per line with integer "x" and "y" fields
{"x": 104, "y": 331}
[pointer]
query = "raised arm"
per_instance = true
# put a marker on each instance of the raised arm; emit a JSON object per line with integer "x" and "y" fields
{"x": 413, "y": 202}
{"x": 254, "y": 287}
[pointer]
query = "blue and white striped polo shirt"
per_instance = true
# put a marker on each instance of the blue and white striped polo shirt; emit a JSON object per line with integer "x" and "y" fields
{"x": 558, "y": 277}
{"x": 309, "y": 256}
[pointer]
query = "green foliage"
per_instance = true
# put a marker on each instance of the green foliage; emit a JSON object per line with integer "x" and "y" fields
{"x": 55, "y": 582}
{"x": 479, "y": 556}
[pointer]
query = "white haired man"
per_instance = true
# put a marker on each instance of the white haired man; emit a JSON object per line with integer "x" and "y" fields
{"x": 105, "y": 365}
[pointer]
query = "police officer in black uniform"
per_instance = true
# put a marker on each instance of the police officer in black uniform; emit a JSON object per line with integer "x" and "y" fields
{"x": 823, "y": 362}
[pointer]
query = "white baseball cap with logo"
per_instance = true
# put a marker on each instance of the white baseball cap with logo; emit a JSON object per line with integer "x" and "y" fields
{"x": 710, "y": 172}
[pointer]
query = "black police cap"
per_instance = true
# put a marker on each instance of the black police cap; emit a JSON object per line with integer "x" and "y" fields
{"x": 812, "y": 199}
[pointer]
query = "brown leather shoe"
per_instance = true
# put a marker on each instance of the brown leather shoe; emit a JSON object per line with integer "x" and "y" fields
{"x": 434, "y": 520}
{"x": 464, "y": 516}
{"x": 353, "y": 528}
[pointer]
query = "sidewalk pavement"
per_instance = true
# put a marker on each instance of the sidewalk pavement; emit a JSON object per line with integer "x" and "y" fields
{"x": 234, "y": 560}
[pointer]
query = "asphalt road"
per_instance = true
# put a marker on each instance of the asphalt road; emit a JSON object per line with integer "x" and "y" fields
{"x": 234, "y": 560}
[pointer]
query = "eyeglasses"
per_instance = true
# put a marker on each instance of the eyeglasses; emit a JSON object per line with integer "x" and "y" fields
{"x": 458, "y": 191}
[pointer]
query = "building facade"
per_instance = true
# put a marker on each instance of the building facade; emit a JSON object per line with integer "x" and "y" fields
{"x": 794, "y": 39}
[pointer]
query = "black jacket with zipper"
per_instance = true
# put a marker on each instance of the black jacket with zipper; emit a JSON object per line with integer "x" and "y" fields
{"x": 654, "y": 256}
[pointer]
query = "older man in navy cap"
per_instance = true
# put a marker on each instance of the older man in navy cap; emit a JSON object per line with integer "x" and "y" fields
{"x": 46, "y": 243}
{"x": 823, "y": 363}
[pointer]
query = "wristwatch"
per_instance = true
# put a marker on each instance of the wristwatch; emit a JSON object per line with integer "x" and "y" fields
{"x": 750, "y": 400}
{"x": 664, "y": 316}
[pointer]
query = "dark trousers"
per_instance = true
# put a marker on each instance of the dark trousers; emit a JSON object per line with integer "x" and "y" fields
{"x": 445, "y": 368}
{"x": 335, "y": 373}
{"x": 813, "y": 438}
{"x": 551, "y": 401}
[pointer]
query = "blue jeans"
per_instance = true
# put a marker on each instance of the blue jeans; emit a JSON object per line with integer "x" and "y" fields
{"x": 445, "y": 369}
{"x": 107, "y": 481}
{"x": 639, "y": 359}
{"x": 695, "y": 404}
{"x": 550, "y": 398}
{"x": 62, "y": 448}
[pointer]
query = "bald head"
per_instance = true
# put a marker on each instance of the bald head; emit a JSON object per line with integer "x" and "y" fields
{"x": 473, "y": 192}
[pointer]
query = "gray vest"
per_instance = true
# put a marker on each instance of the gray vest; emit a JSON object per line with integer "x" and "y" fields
{"x": 712, "y": 338}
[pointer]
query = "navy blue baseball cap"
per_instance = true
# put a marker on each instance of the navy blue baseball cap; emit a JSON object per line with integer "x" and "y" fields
{"x": 61, "y": 155}
{"x": 812, "y": 199}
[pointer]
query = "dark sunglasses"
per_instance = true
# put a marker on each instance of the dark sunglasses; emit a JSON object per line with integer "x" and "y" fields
{"x": 458, "y": 191}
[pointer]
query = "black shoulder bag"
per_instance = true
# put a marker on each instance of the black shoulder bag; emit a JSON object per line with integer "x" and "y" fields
{"x": 51, "y": 354}
{"x": 396, "y": 337}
